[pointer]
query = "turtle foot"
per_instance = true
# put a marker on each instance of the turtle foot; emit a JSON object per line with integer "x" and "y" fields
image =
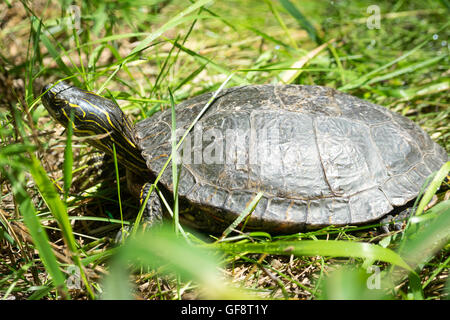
{"x": 396, "y": 222}
{"x": 152, "y": 215}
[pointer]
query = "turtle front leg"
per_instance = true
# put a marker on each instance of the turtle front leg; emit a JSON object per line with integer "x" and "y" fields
{"x": 394, "y": 222}
{"x": 139, "y": 186}
{"x": 153, "y": 213}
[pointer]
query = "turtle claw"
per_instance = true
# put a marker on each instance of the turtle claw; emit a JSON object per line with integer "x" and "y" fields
{"x": 389, "y": 224}
{"x": 396, "y": 222}
{"x": 122, "y": 234}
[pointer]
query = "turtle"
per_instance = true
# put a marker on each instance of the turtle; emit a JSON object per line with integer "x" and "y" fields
{"x": 318, "y": 156}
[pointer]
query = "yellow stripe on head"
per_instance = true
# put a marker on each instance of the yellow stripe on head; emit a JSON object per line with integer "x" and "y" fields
{"x": 94, "y": 116}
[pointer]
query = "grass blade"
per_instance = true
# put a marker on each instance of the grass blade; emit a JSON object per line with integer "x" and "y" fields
{"x": 168, "y": 25}
{"x": 175, "y": 176}
{"x": 68, "y": 158}
{"x": 248, "y": 210}
{"x": 434, "y": 185}
{"x": 39, "y": 236}
{"x": 53, "y": 51}
{"x": 281, "y": 23}
{"x": 116, "y": 166}
{"x": 422, "y": 240}
{"x": 426, "y": 236}
{"x": 363, "y": 79}
{"x": 203, "y": 60}
{"x": 290, "y": 75}
{"x": 190, "y": 77}
{"x": 301, "y": 19}
{"x": 410, "y": 68}
{"x": 54, "y": 203}
{"x": 180, "y": 142}
{"x": 319, "y": 248}
{"x": 58, "y": 210}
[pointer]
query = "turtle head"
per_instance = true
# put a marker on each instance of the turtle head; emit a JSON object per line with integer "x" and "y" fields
{"x": 95, "y": 117}
{"x": 92, "y": 114}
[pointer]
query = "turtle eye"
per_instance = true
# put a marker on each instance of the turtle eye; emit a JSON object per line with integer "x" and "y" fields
{"x": 46, "y": 88}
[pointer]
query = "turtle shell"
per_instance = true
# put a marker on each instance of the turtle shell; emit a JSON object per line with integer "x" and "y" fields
{"x": 320, "y": 157}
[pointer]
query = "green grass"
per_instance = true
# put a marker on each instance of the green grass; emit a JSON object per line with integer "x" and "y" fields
{"x": 151, "y": 55}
